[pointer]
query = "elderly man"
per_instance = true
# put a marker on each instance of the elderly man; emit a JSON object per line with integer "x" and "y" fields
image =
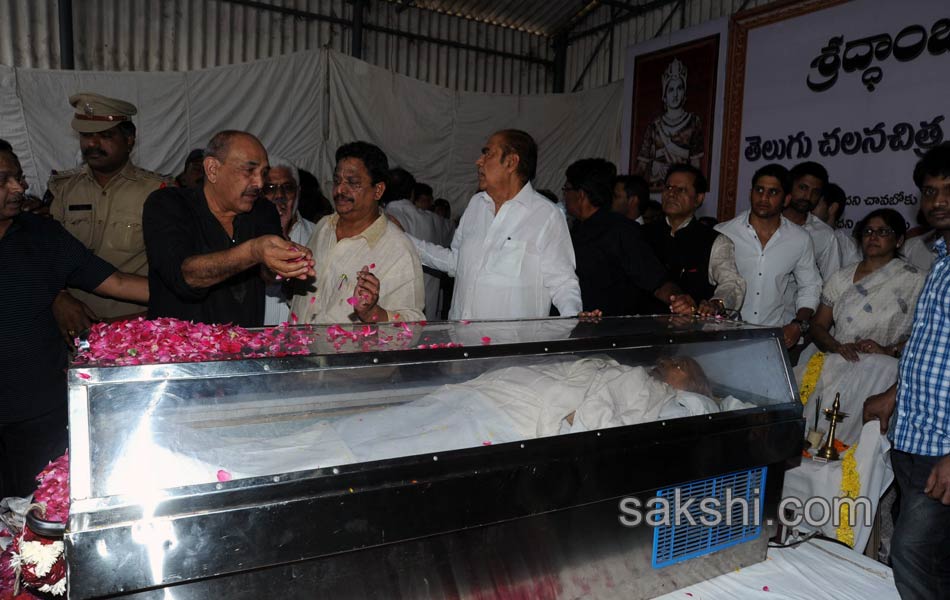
{"x": 282, "y": 187}
{"x": 511, "y": 255}
{"x": 206, "y": 247}
{"x": 615, "y": 266}
{"x": 101, "y": 203}
{"x": 679, "y": 240}
{"x": 366, "y": 268}
{"x": 37, "y": 259}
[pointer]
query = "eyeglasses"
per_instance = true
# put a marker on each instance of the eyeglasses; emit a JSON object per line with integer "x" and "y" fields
{"x": 352, "y": 183}
{"x": 883, "y": 232}
{"x": 675, "y": 190}
{"x": 271, "y": 189}
{"x": 770, "y": 192}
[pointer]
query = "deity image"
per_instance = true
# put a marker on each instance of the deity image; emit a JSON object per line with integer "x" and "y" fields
{"x": 674, "y": 137}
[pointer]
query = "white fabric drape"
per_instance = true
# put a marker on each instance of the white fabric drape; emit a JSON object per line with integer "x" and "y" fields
{"x": 303, "y": 106}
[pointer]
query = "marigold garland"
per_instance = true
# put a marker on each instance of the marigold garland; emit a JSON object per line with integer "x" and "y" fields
{"x": 850, "y": 488}
{"x": 810, "y": 379}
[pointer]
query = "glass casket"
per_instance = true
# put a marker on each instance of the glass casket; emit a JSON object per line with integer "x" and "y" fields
{"x": 459, "y": 459}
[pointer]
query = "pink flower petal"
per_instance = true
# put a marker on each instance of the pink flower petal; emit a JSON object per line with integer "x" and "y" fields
{"x": 224, "y": 475}
{"x": 372, "y": 265}
{"x": 765, "y": 588}
{"x": 293, "y": 317}
{"x": 486, "y": 340}
{"x": 313, "y": 299}
{"x": 84, "y": 375}
{"x": 352, "y": 300}
{"x": 486, "y": 443}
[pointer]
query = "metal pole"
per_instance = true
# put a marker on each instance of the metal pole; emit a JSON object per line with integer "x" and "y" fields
{"x": 560, "y": 62}
{"x": 67, "y": 59}
{"x": 356, "y": 45}
{"x": 590, "y": 61}
{"x": 388, "y": 30}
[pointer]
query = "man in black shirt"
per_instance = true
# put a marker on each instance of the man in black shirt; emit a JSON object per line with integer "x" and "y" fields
{"x": 210, "y": 250}
{"x": 679, "y": 240}
{"x": 38, "y": 258}
{"x": 615, "y": 267}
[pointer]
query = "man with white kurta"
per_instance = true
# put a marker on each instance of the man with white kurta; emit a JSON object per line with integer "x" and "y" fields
{"x": 511, "y": 255}
{"x": 770, "y": 251}
{"x": 366, "y": 268}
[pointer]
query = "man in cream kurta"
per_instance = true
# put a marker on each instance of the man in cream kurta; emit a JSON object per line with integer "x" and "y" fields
{"x": 366, "y": 268}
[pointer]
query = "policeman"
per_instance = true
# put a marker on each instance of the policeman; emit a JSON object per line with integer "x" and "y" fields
{"x": 100, "y": 203}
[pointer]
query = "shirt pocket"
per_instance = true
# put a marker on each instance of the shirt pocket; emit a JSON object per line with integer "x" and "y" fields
{"x": 507, "y": 261}
{"x": 79, "y": 224}
{"x": 126, "y": 236}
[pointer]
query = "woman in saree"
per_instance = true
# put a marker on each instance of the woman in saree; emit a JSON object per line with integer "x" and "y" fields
{"x": 863, "y": 322}
{"x": 871, "y": 303}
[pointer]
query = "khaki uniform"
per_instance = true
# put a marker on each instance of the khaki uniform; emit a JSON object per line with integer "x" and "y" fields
{"x": 108, "y": 221}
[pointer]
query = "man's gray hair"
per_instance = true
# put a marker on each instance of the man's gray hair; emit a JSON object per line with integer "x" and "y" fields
{"x": 277, "y": 162}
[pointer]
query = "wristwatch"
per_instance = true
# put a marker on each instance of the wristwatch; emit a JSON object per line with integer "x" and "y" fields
{"x": 803, "y": 325}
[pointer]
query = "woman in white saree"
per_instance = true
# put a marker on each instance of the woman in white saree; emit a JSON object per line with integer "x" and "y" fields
{"x": 869, "y": 307}
{"x": 870, "y": 304}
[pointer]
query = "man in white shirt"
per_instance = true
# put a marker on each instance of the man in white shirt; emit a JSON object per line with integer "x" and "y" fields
{"x": 770, "y": 251}
{"x": 511, "y": 255}
{"x": 809, "y": 180}
{"x": 423, "y": 199}
{"x": 282, "y": 187}
{"x": 366, "y": 269}
{"x": 419, "y": 224}
{"x": 830, "y": 209}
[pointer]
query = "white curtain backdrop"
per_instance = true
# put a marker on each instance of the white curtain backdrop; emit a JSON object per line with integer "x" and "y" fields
{"x": 303, "y": 106}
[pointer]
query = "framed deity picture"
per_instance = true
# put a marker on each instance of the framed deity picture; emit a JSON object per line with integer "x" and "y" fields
{"x": 673, "y": 112}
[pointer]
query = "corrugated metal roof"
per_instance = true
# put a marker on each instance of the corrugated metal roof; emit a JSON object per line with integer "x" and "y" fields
{"x": 473, "y": 45}
{"x": 540, "y": 17}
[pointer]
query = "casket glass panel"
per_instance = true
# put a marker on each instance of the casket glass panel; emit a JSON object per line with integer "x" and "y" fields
{"x": 177, "y": 425}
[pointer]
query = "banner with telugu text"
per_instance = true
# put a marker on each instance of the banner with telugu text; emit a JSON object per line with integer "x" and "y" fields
{"x": 862, "y": 88}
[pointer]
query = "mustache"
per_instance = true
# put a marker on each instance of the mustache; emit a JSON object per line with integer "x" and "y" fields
{"x": 93, "y": 153}
{"x": 252, "y": 190}
{"x": 341, "y": 198}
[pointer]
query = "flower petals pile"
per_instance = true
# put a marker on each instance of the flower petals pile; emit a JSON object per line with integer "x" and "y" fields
{"x": 53, "y": 491}
{"x": 167, "y": 340}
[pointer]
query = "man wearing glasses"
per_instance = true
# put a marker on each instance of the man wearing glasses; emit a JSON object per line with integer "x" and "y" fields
{"x": 282, "y": 188}
{"x": 366, "y": 268}
{"x": 679, "y": 240}
{"x": 210, "y": 250}
{"x": 769, "y": 251}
